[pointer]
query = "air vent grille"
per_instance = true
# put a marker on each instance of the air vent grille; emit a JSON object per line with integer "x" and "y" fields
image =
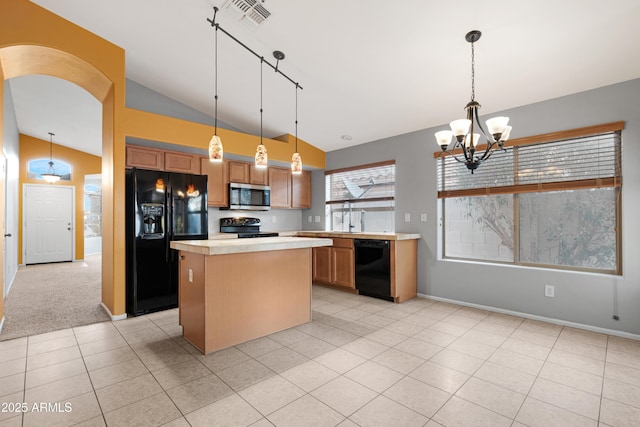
{"x": 251, "y": 12}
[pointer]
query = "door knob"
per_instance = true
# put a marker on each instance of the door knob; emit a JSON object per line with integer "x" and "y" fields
{"x": 7, "y": 235}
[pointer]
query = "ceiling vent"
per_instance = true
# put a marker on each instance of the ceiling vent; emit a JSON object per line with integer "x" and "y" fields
{"x": 250, "y": 12}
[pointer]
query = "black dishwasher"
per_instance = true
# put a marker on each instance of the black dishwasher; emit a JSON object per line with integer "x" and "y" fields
{"x": 373, "y": 268}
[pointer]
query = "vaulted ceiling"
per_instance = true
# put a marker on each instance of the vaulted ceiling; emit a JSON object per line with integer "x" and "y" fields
{"x": 369, "y": 69}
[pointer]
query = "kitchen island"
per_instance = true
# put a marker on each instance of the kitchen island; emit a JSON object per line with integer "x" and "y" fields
{"x": 235, "y": 290}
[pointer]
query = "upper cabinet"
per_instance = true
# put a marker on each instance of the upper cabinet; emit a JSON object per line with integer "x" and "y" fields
{"x": 280, "y": 184}
{"x": 289, "y": 190}
{"x": 145, "y": 158}
{"x": 158, "y": 159}
{"x": 247, "y": 173}
{"x": 301, "y": 190}
{"x": 217, "y": 181}
{"x": 181, "y": 162}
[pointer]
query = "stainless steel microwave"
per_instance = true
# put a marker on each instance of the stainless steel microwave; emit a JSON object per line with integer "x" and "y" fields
{"x": 249, "y": 197}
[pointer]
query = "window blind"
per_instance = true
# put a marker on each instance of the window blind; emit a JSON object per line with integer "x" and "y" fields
{"x": 588, "y": 161}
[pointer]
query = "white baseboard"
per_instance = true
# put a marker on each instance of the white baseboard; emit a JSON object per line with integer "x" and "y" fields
{"x": 560, "y": 322}
{"x": 113, "y": 318}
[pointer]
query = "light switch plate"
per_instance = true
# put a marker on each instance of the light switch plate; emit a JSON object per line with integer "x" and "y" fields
{"x": 310, "y": 219}
{"x": 423, "y": 217}
{"x": 317, "y": 218}
{"x": 274, "y": 219}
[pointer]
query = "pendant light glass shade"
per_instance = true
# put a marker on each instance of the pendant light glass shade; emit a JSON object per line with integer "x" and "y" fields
{"x": 215, "y": 149}
{"x": 51, "y": 176}
{"x": 296, "y": 164}
{"x": 261, "y": 156}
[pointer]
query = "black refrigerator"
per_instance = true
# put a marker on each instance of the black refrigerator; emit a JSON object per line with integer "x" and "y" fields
{"x": 161, "y": 207}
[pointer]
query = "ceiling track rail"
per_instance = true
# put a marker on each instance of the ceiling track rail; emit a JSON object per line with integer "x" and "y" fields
{"x": 274, "y": 67}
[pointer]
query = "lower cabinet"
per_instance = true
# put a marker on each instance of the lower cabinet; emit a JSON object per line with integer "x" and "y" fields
{"x": 334, "y": 265}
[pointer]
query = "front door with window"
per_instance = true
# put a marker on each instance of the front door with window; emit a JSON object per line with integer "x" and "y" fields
{"x": 48, "y": 223}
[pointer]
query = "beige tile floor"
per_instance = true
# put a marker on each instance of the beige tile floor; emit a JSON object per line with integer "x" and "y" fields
{"x": 361, "y": 362}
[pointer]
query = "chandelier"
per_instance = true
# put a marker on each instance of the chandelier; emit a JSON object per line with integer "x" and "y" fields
{"x": 463, "y": 131}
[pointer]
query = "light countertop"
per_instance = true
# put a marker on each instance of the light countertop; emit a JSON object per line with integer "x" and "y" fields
{"x": 233, "y": 246}
{"x": 360, "y": 235}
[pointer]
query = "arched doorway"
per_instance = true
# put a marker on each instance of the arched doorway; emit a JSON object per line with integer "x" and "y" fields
{"x": 20, "y": 60}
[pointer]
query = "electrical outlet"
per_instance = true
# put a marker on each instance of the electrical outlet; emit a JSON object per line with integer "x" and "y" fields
{"x": 423, "y": 217}
{"x": 310, "y": 219}
{"x": 274, "y": 219}
{"x": 549, "y": 291}
{"x": 407, "y": 217}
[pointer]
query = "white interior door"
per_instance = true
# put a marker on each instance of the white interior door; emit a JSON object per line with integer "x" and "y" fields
{"x": 48, "y": 225}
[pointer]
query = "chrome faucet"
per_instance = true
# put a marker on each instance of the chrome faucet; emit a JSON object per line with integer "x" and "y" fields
{"x": 351, "y": 226}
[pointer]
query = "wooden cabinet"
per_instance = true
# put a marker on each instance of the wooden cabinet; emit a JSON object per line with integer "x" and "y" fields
{"x": 322, "y": 264}
{"x": 238, "y": 172}
{"x": 280, "y": 184}
{"x": 162, "y": 160}
{"x": 217, "y": 181}
{"x": 145, "y": 158}
{"x": 289, "y": 190}
{"x": 181, "y": 162}
{"x": 247, "y": 173}
{"x": 301, "y": 190}
{"x": 335, "y": 265}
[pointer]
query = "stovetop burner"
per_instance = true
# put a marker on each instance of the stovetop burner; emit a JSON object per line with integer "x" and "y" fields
{"x": 244, "y": 227}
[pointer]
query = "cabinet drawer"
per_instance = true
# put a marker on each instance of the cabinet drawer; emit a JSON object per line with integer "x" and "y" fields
{"x": 343, "y": 243}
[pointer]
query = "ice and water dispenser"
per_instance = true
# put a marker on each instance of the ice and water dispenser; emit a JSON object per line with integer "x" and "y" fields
{"x": 152, "y": 220}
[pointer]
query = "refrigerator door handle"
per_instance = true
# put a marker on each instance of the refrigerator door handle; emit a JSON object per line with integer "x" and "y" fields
{"x": 169, "y": 212}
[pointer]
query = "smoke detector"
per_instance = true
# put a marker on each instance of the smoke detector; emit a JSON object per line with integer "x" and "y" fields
{"x": 250, "y": 12}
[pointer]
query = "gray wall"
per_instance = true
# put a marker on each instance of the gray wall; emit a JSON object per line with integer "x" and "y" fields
{"x": 12, "y": 152}
{"x": 582, "y": 298}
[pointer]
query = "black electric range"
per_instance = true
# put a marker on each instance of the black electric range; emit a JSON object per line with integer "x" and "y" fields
{"x": 244, "y": 227}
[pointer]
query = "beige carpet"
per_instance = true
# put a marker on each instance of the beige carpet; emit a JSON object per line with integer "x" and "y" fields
{"x": 50, "y": 297}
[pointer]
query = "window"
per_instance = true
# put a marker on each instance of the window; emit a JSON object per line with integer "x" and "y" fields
{"x": 551, "y": 201}
{"x": 361, "y": 198}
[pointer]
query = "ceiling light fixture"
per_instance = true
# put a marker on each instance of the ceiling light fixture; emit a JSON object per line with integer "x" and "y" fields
{"x": 463, "y": 130}
{"x": 215, "y": 145}
{"x": 296, "y": 159}
{"x": 51, "y": 176}
{"x": 261, "y": 150}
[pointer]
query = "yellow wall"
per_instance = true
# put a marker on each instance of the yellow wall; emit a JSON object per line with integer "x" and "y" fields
{"x": 154, "y": 127}
{"x": 36, "y": 41}
{"x": 81, "y": 164}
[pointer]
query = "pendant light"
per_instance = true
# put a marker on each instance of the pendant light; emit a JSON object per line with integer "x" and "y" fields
{"x": 261, "y": 150}
{"x": 215, "y": 145}
{"x": 51, "y": 176}
{"x": 462, "y": 131}
{"x": 296, "y": 159}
